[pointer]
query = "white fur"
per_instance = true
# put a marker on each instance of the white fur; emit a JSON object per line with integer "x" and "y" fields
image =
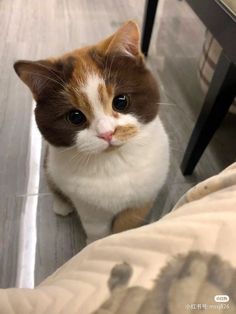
{"x": 101, "y": 185}
{"x": 88, "y": 140}
{"x": 90, "y": 88}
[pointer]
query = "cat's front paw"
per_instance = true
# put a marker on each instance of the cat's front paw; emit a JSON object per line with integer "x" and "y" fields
{"x": 62, "y": 208}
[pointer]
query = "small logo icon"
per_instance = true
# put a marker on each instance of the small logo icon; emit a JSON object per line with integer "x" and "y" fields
{"x": 220, "y": 298}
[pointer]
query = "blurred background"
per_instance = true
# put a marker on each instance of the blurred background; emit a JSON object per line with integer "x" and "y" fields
{"x": 39, "y": 29}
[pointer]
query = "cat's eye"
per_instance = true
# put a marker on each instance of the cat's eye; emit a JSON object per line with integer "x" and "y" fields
{"x": 120, "y": 102}
{"x": 76, "y": 117}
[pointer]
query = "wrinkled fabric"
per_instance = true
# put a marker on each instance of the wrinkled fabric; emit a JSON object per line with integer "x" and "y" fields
{"x": 165, "y": 265}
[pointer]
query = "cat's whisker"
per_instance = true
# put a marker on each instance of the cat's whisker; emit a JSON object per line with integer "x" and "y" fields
{"x": 105, "y": 70}
{"x": 108, "y": 71}
{"x": 44, "y": 76}
{"x": 67, "y": 149}
{"x": 166, "y": 103}
{"x": 112, "y": 60}
{"x": 52, "y": 71}
{"x": 86, "y": 162}
{"x": 80, "y": 156}
{"x": 81, "y": 159}
{"x": 78, "y": 82}
{"x": 118, "y": 81}
{"x": 75, "y": 156}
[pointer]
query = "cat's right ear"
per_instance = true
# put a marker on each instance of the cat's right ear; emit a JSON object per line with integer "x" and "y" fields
{"x": 125, "y": 41}
{"x": 36, "y": 75}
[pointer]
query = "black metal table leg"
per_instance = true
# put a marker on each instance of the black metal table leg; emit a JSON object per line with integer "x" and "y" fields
{"x": 220, "y": 96}
{"x": 149, "y": 17}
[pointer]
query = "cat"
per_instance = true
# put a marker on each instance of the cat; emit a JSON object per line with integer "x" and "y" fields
{"x": 108, "y": 152}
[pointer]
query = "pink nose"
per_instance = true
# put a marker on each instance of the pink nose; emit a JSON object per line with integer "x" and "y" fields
{"x": 107, "y": 136}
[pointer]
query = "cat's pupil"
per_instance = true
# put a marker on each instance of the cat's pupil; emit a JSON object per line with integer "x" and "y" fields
{"x": 120, "y": 102}
{"x": 76, "y": 117}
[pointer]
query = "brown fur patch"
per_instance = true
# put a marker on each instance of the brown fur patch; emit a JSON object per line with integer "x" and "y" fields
{"x": 124, "y": 132}
{"x": 110, "y": 91}
{"x": 130, "y": 76}
{"x": 130, "y": 218}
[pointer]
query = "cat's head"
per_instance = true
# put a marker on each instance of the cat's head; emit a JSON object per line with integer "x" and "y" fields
{"x": 95, "y": 98}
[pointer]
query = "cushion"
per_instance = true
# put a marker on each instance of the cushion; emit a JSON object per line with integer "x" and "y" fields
{"x": 185, "y": 261}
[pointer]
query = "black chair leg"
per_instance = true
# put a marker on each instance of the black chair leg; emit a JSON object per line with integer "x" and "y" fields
{"x": 220, "y": 96}
{"x": 149, "y": 17}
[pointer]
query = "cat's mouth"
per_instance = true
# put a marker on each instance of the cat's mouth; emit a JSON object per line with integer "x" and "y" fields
{"x": 113, "y": 146}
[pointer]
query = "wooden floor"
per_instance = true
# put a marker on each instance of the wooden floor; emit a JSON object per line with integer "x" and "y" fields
{"x": 37, "y": 29}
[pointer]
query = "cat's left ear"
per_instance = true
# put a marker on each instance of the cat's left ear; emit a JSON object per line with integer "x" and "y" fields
{"x": 44, "y": 76}
{"x": 37, "y": 75}
{"x": 126, "y": 41}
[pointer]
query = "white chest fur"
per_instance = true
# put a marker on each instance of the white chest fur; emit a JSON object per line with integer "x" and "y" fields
{"x": 130, "y": 176}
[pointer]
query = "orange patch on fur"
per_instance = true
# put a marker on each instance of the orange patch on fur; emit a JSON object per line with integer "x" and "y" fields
{"x": 101, "y": 92}
{"x": 130, "y": 218}
{"x": 124, "y": 132}
{"x": 105, "y": 95}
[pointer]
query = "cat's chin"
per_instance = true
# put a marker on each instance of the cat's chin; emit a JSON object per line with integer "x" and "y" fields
{"x": 112, "y": 148}
{"x": 101, "y": 150}
{"x": 109, "y": 148}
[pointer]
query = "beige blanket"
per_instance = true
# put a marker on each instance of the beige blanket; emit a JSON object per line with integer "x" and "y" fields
{"x": 184, "y": 262}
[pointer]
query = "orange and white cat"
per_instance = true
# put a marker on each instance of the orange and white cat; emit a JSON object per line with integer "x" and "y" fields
{"x": 108, "y": 153}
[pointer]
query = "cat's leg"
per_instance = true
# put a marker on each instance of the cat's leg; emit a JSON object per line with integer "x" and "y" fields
{"x": 96, "y": 230}
{"x": 96, "y": 222}
{"x": 130, "y": 218}
{"x": 61, "y": 207}
{"x": 61, "y": 204}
